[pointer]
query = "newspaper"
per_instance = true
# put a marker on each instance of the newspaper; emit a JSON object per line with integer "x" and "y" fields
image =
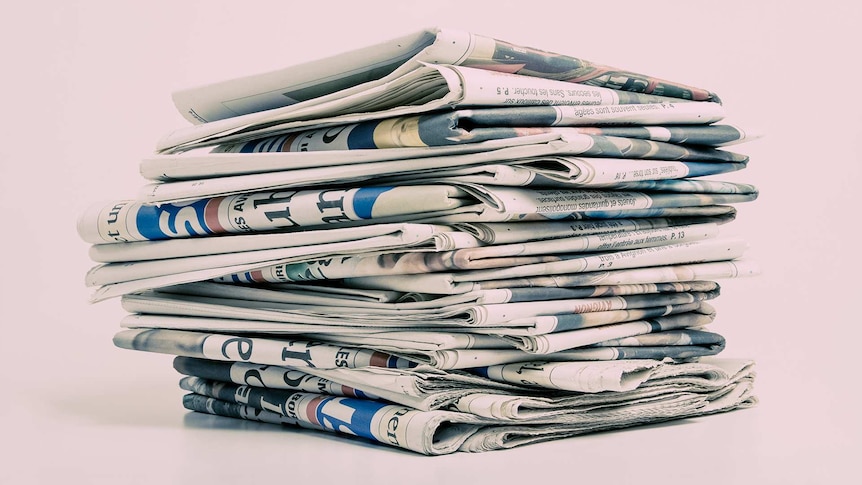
{"x": 556, "y": 346}
{"x": 502, "y": 233}
{"x": 437, "y": 46}
{"x": 511, "y": 311}
{"x": 263, "y": 176}
{"x": 259, "y": 375}
{"x": 421, "y": 236}
{"x": 316, "y": 167}
{"x": 463, "y": 126}
{"x": 601, "y": 352}
{"x": 499, "y": 420}
{"x": 252, "y": 349}
{"x": 684, "y": 344}
{"x": 672, "y": 254}
{"x": 446, "y": 284}
{"x": 314, "y": 90}
{"x": 567, "y": 173}
{"x": 487, "y": 257}
{"x": 421, "y": 90}
{"x": 409, "y": 237}
{"x": 425, "y": 389}
{"x": 194, "y": 165}
{"x": 360, "y": 300}
{"x": 545, "y": 312}
{"x": 714, "y": 135}
{"x": 129, "y": 220}
{"x": 454, "y": 347}
{"x": 689, "y": 186}
{"x": 426, "y": 432}
{"x": 409, "y": 335}
{"x": 124, "y": 221}
{"x": 121, "y": 278}
{"x": 447, "y": 359}
{"x": 208, "y": 266}
{"x": 560, "y": 341}
{"x": 523, "y": 204}
{"x": 437, "y": 349}
{"x": 578, "y": 383}
{"x": 352, "y": 416}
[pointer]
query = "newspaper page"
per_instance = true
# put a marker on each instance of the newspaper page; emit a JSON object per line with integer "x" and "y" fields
{"x": 317, "y": 78}
{"x": 378, "y": 237}
{"x": 567, "y": 173}
{"x": 719, "y": 249}
{"x": 447, "y": 359}
{"x": 310, "y": 161}
{"x": 735, "y": 396}
{"x": 532, "y": 317}
{"x": 426, "y": 432}
{"x": 439, "y": 130}
{"x": 584, "y": 384}
{"x": 560, "y": 341}
{"x": 363, "y": 173}
{"x": 440, "y": 432}
{"x": 340, "y": 173}
{"x": 521, "y": 406}
{"x": 125, "y": 221}
{"x": 441, "y": 283}
{"x": 372, "y": 304}
{"x": 259, "y": 350}
{"x": 462, "y": 126}
{"x": 423, "y": 89}
{"x": 130, "y": 220}
{"x": 714, "y": 135}
{"x": 255, "y": 260}
{"x": 260, "y": 375}
{"x": 445, "y": 284}
{"x": 503, "y": 233}
{"x": 689, "y": 186}
{"x": 352, "y": 352}
{"x": 487, "y": 257}
{"x": 409, "y": 335}
{"x": 437, "y": 281}
{"x": 228, "y": 162}
{"x": 430, "y": 339}
{"x": 424, "y": 389}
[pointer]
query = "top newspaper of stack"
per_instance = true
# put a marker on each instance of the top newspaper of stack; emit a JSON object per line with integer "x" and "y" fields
{"x": 425, "y": 71}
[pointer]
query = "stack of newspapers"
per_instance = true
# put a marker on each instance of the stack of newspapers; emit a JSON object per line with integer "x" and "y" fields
{"x": 443, "y": 243}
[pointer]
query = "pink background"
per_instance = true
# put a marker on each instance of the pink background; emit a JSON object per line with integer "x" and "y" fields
{"x": 87, "y": 93}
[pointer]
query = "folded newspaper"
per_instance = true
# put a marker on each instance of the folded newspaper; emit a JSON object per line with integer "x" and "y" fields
{"x": 421, "y": 72}
{"x": 444, "y": 242}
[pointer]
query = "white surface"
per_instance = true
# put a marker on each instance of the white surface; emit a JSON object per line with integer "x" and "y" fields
{"x": 87, "y": 93}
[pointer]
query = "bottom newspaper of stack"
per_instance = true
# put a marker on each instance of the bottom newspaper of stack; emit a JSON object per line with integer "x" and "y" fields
{"x": 437, "y": 412}
{"x": 509, "y": 362}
